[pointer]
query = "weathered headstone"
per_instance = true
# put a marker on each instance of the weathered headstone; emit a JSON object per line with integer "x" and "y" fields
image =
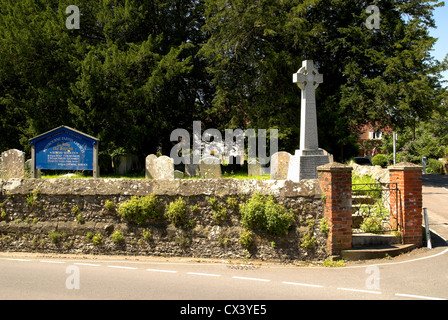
{"x": 254, "y": 168}
{"x": 191, "y": 169}
{"x": 126, "y": 163}
{"x": 210, "y": 168}
{"x": 330, "y": 156}
{"x": 161, "y": 168}
{"x": 178, "y": 174}
{"x": 149, "y": 166}
{"x": 305, "y": 160}
{"x": 28, "y": 165}
{"x": 13, "y": 164}
{"x": 280, "y": 165}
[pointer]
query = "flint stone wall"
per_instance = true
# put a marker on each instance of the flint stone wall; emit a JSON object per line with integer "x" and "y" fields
{"x": 376, "y": 172}
{"x": 34, "y": 208}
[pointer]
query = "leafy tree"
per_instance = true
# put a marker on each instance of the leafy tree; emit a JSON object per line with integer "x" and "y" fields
{"x": 129, "y": 75}
{"x": 384, "y": 76}
{"x": 136, "y": 70}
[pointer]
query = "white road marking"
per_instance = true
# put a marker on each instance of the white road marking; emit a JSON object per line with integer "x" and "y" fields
{"x": 87, "y": 264}
{"x": 204, "y": 274}
{"x": 253, "y": 279}
{"x": 303, "y": 284}
{"x": 257, "y": 279}
{"x": 159, "y": 270}
{"x": 393, "y": 263}
{"x": 359, "y": 290}
{"x": 122, "y": 267}
{"x": 23, "y": 260}
{"x": 418, "y": 297}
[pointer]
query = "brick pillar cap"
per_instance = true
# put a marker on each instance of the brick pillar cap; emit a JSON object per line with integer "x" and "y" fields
{"x": 334, "y": 166}
{"x": 402, "y": 166}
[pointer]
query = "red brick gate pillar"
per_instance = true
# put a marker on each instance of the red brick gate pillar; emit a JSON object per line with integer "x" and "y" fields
{"x": 408, "y": 201}
{"x": 335, "y": 180}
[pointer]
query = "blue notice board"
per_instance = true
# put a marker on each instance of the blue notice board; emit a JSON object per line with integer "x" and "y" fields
{"x": 64, "y": 148}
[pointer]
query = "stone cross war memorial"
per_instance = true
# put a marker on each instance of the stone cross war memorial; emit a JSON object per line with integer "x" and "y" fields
{"x": 64, "y": 148}
{"x": 305, "y": 160}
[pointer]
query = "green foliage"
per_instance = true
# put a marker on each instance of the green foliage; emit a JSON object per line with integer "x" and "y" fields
{"x": 76, "y": 210}
{"x": 147, "y": 235}
{"x": 80, "y": 219}
{"x": 130, "y": 64}
{"x": 434, "y": 166}
{"x": 194, "y": 208}
{"x": 324, "y": 227}
{"x": 308, "y": 242}
{"x": 389, "y": 78}
{"x": 232, "y": 203}
{"x": 176, "y": 212}
{"x": 55, "y": 237}
{"x": 264, "y": 213}
{"x": 372, "y": 224}
{"x": 380, "y": 160}
{"x": 140, "y": 210}
{"x": 219, "y": 211}
{"x": 374, "y": 215}
{"x": 359, "y": 181}
{"x": 109, "y": 205}
{"x": 152, "y": 66}
{"x": 31, "y": 199}
{"x": 419, "y": 140}
{"x": 246, "y": 238}
{"x": 334, "y": 263}
{"x": 117, "y": 236}
{"x": 3, "y": 215}
{"x": 183, "y": 239}
{"x": 97, "y": 239}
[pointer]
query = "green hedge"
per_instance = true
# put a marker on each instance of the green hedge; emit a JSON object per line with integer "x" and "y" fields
{"x": 434, "y": 166}
{"x": 264, "y": 213}
{"x": 380, "y": 160}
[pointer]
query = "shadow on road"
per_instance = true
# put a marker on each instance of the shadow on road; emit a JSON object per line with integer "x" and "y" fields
{"x": 436, "y": 240}
{"x": 435, "y": 180}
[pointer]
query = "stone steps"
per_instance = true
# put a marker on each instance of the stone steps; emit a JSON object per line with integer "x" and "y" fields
{"x": 358, "y": 200}
{"x": 374, "y": 246}
{"x": 375, "y": 252}
{"x": 370, "y": 239}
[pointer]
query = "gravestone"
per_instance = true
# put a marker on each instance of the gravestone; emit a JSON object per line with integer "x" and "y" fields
{"x": 178, "y": 174}
{"x": 28, "y": 165}
{"x": 12, "y": 164}
{"x": 210, "y": 168}
{"x": 280, "y": 165}
{"x": 64, "y": 148}
{"x": 148, "y": 166}
{"x": 161, "y": 168}
{"x": 191, "y": 169}
{"x": 125, "y": 164}
{"x": 305, "y": 160}
{"x": 254, "y": 168}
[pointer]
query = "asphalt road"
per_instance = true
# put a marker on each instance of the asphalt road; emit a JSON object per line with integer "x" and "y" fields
{"x": 419, "y": 275}
{"x": 435, "y": 199}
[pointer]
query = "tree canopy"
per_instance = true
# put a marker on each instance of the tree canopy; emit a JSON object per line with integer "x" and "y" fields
{"x": 136, "y": 70}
